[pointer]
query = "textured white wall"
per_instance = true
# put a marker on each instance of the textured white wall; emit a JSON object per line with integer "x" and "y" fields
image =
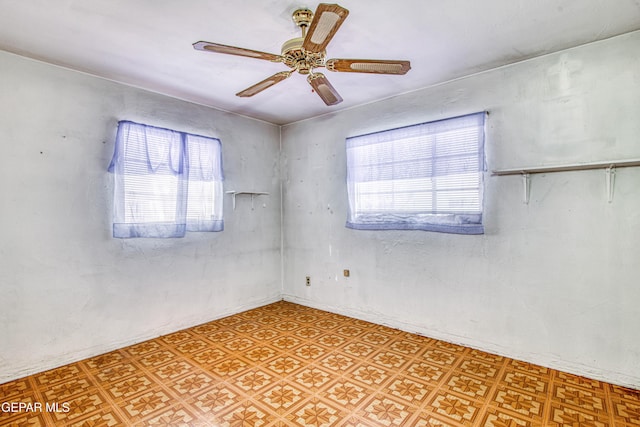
{"x": 554, "y": 282}
{"x": 68, "y": 290}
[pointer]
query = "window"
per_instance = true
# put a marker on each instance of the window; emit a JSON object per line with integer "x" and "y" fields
{"x": 421, "y": 177}
{"x": 166, "y": 182}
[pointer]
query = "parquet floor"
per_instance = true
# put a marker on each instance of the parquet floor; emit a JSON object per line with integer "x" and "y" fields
{"x": 288, "y": 365}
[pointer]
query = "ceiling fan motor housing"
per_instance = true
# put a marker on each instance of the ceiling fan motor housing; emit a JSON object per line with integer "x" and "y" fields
{"x": 293, "y": 54}
{"x": 295, "y": 57}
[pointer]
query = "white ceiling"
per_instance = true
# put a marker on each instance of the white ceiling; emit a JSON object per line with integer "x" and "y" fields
{"x": 147, "y": 43}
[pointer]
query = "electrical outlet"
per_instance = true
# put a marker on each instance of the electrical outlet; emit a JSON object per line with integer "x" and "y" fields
{"x": 308, "y": 280}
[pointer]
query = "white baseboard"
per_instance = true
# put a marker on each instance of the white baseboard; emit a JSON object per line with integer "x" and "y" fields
{"x": 549, "y": 361}
{"x": 546, "y": 360}
{"x": 13, "y": 372}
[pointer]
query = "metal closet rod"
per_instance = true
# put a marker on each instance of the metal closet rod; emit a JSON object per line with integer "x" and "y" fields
{"x": 565, "y": 168}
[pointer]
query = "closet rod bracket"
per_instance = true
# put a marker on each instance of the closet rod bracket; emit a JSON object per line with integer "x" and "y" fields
{"x": 610, "y": 178}
{"x": 608, "y": 166}
{"x": 526, "y": 186}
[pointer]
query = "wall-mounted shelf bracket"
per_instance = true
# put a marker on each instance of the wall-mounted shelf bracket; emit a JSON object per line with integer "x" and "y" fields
{"x": 526, "y": 186}
{"x": 610, "y": 176}
{"x": 609, "y": 168}
{"x": 253, "y": 195}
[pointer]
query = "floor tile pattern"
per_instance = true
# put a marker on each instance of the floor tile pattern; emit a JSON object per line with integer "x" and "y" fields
{"x": 288, "y": 365}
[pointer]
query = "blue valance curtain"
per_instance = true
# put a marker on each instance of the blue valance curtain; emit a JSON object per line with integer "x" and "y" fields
{"x": 166, "y": 182}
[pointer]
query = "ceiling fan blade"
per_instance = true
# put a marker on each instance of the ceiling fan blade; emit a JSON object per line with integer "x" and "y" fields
{"x": 265, "y": 84}
{"x": 325, "y": 23}
{"x": 323, "y": 88}
{"x": 239, "y": 51}
{"x": 368, "y": 66}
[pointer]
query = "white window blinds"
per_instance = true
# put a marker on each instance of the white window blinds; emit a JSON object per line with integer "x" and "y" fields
{"x": 166, "y": 182}
{"x": 421, "y": 177}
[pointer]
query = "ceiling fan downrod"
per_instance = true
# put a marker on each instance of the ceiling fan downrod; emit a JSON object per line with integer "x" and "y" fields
{"x": 293, "y": 54}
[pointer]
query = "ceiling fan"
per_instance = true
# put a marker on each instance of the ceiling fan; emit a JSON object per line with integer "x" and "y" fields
{"x": 305, "y": 54}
